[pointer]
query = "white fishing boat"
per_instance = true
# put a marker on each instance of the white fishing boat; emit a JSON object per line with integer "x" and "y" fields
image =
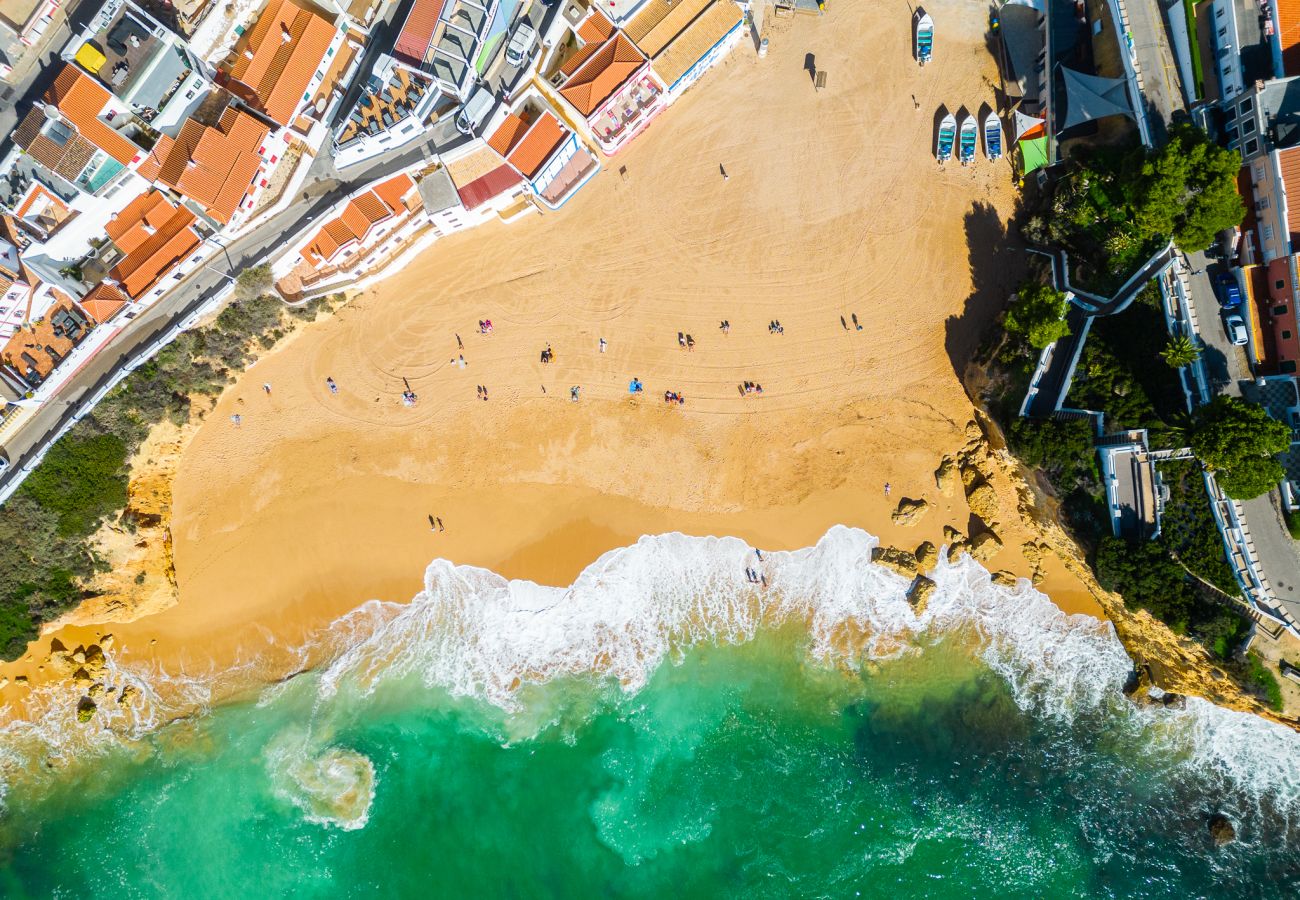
{"x": 947, "y": 136}
{"x": 924, "y": 37}
{"x": 967, "y": 138}
{"x": 992, "y": 136}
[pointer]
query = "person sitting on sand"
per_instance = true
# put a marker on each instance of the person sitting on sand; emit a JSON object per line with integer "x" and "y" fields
{"x": 690, "y": 342}
{"x": 573, "y": 393}
{"x": 681, "y": 340}
{"x": 334, "y": 388}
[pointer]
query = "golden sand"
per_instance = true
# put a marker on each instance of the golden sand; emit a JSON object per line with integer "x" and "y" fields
{"x": 834, "y": 206}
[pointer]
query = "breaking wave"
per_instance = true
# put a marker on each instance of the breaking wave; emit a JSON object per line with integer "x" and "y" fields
{"x": 472, "y": 633}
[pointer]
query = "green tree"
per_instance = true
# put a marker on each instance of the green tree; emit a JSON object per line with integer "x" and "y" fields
{"x": 254, "y": 282}
{"x": 1038, "y": 315}
{"x": 1238, "y": 442}
{"x": 1180, "y": 351}
{"x": 1186, "y": 190}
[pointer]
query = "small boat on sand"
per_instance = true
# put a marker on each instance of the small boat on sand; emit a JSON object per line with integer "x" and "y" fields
{"x": 947, "y": 135}
{"x": 992, "y": 136}
{"x": 968, "y": 137}
{"x": 924, "y": 37}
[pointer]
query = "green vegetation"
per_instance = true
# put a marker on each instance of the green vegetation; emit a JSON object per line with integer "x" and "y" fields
{"x": 1114, "y": 208}
{"x": 46, "y": 527}
{"x": 1180, "y": 351}
{"x": 1188, "y": 530}
{"x": 1038, "y": 315}
{"x": 1292, "y": 524}
{"x": 255, "y": 282}
{"x": 1198, "y": 70}
{"x": 1238, "y": 441}
{"x": 1265, "y": 683}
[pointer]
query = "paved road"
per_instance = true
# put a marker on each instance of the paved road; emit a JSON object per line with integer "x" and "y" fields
{"x": 1161, "y": 84}
{"x": 33, "y": 435}
{"x": 1225, "y": 364}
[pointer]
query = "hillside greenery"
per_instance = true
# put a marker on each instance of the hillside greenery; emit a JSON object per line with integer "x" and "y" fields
{"x": 46, "y": 551}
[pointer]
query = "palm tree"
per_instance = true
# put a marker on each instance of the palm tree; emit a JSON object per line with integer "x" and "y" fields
{"x": 1181, "y": 351}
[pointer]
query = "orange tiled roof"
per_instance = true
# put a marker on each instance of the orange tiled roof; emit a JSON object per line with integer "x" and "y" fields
{"x": 602, "y": 75}
{"x": 1289, "y": 163}
{"x": 1288, "y": 34}
{"x": 140, "y": 218}
{"x": 103, "y": 302}
{"x": 505, "y": 137}
{"x": 215, "y": 166}
{"x": 152, "y": 164}
{"x": 394, "y": 189}
{"x": 276, "y": 58}
{"x": 156, "y": 248}
{"x": 593, "y": 33}
{"x": 39, "y": 192}
{"x": 537, "y": 146}
{"x": 354, "y": 222}
{"x": 81, "y": 99}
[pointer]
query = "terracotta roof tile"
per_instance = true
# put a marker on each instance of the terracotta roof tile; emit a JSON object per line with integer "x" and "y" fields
{"x": 165, "y": 237}
{"x": 593, "y": 34}
{"x": 413, "y": 40}
{"x": 659, "y": 22}
{"x": 505, "y": 137}
{"x": 81, "y": 99}
{"x": 689, "y": 47}
{"x": 536, "y": 148}
{"x": 1288, "y": 34}
{"x": 276, "y": 59}
{"x": 151, "y": 165}
{"x": 103, "y": 302}
{"x": 140, "y": 218}
{"x": 215, "y": 166}
{"x": 394, "y": 189}
{"x": 602, "y": 75}
{"x": 493, "y": 184}
{"x": 1289, "y": 162}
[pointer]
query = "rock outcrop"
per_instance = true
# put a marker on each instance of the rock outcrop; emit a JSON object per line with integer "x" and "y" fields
{"x": 920, "y": 592}
{"x": 985, "y": 545}
{"x": 909, "y": 511}
{"x": 947, "y": 477}
{"x": 900, "y": 561}
{"x": 927, "y": 556}
{"x": 1222, "y": 831}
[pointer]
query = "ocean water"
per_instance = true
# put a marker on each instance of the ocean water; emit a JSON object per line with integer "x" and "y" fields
{"x": 662, "y": 728}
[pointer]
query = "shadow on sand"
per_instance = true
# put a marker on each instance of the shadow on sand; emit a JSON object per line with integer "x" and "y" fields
{"x": 997, "y": 265}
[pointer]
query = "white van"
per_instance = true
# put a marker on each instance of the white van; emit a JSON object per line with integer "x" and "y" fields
{"x": 521, "y": 43}
{"x": 474, "y": 111}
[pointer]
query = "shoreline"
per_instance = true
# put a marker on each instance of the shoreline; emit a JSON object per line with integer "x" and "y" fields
{"x": 318, "y": 502}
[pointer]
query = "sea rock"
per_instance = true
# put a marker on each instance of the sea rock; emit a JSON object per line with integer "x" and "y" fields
{"x": 1222, "y": 830}
{"x": 973, "y": 431}
{"x": 128, "y": 695}
{"x": 983, "y": 501}
{"x": 951, "y": 534}
{"x": 909, "y": 511}
{"x": 79, "y": 656}
{"x": 900, "y": 561}
{"x": 85, "y": 709}
{"x": 970, "y": 476}
{"x": 920, "y": 592}
{"x": 1005, "y": 578}
{"x": 947, "y": 476}
{"x": 927, "y": 555}
{"x": 20, "y": 679}
{"x": 81, "y": 677}
{"x": 956, "y": 549}
{"x": 985, "y": 545}
{"x": 106, "y": 641}
{"x": 4, "y": 681}
{"x": 1029, "y": 550}
{"x": 96, "y": 691}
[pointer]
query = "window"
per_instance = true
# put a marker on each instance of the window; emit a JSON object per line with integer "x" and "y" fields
{"x": 1261, "y": 203}
{"x": 1286, "y": 335}
{"x": 1248, "y": 127}
{"x": 1252, "y": 146}
{"x": 1247, "y": 105}
{"x": 1268, "y": 233}
{"x": 1223, "y": 32}
{"x": 1287, "y": 367}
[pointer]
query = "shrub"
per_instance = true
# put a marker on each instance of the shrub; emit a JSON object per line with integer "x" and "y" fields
{"x": 1264, "y": 681}
{"x": 81, "y": 480}
{"x": 1238, "y": 440}
{"x": 1038, "y": 315}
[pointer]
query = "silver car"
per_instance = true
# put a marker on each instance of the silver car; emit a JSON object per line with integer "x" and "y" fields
{"x": 1236, "y": 329}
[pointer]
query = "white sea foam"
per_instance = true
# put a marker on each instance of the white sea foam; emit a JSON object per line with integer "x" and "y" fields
{"x": 475, "y": 634}
{"x": 331, "y": 786}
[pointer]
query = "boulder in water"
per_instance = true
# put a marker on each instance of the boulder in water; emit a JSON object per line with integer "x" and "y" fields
{"x": 909, "y": 511}
{"x": 85, "y": 709}
{"x": 1005, "y": 578}
{"x": 927, "y": 556}
{"x": 128, "y": 695}
{"x": 1222, "y": 830}
{"x": 920, "y": 592}
{"x": 900, "y": 561}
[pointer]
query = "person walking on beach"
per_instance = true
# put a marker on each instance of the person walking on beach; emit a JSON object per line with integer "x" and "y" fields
{"x": 887, "y": 486}
{"x": 602, "y": 345}
{"x": 574, "y": 392}
{"x": 237, "y": 419}
{"x": 433, "y": 525}
{"x": 681, "y": 340}
{"x": 460, "y": 345}
{"x": 690, "y": 343}
{"x": 439, "y": 520}
{"x": 266, "y": 386}
{"x": 759, "y": 554}
{"x": 329, "y": 383}
{"x": 855, "y": 322}
{"x": 843, "y": 324}
{"x": 725, "y": 327}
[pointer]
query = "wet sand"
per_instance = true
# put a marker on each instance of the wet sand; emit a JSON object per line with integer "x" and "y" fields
{"x": 834, "y": 206}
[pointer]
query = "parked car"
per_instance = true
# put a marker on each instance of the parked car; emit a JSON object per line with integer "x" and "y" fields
{"x": 474, "y": 111}
{"x": 521, "y": 43}
{"x": 1236, "y": 329}
{"x": 4, "y": 463}
{"x": 1228, "y": 290}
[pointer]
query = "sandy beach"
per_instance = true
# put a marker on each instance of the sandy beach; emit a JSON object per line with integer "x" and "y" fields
{"x": 833, "y": 207}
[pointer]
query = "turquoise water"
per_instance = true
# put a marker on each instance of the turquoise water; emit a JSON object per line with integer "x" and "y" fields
{"x": 746, "y": 748}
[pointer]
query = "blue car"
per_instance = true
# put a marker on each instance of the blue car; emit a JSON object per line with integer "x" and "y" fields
{"x": 1229, "y": 293}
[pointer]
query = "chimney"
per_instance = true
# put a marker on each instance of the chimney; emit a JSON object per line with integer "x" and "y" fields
{"x": 285, "y": 36}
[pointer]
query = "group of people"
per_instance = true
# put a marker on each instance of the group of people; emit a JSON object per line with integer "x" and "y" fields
{"x": 482, "y": 392}
{"x": 724, "y": 326}
{"x": 674, "y": 397}
{"x": 755, "y": 577}
{"x": 547, "y": 355}
{"x": 775, "y": 327}
{"x": 408, "y": 397}
{"x": 484, "y": 327}
{"x": 685, "y": 341}
{"x": 635, "y": 386}
{"x": 854, "y": 316}
{"x": 750, "y": 387}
